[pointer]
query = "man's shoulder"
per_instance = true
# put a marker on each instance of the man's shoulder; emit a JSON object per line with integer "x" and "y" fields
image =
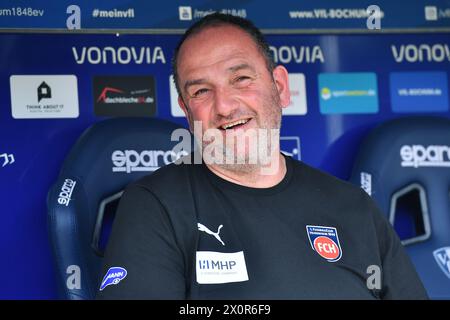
{"x": 325, "y": 182}
{"x": 347, "y": 202}
{"x": 169, "y": 181}
{"x": 167, "y": 175}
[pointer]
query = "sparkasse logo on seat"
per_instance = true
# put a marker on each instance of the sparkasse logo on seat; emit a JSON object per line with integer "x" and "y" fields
{"x": 425, "y": 156}
{"x": 147, "y": 160}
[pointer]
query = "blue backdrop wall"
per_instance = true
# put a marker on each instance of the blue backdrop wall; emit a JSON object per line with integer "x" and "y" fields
{"x": 343, "y": 85}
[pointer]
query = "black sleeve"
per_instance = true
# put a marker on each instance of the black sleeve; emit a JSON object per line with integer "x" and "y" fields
{"x": 142, "y": 242}
{"x": 400, "y": 280}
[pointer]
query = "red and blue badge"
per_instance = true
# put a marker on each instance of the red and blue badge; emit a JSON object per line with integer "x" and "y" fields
{"x": 325, "y": 241}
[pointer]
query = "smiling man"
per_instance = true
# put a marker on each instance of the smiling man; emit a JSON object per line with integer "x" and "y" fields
{"x": 230, "y": 84}
{"x": 228, "y": 229}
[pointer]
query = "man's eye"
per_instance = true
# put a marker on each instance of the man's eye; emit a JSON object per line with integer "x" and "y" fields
{"x": 243, "y": 78}
{"x": 242, "y": 81}
{"x": 200, "y": 92}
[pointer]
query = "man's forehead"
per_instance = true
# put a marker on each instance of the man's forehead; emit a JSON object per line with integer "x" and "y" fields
{"x": 231, "y": 62}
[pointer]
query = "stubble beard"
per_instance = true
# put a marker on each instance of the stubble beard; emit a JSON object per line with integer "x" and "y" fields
{"x": 266, "y": 136}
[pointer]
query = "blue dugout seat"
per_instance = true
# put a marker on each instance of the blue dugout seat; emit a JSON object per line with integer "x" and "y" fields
{"x": 404, "y": 165}
{"x": 81, "y": 203}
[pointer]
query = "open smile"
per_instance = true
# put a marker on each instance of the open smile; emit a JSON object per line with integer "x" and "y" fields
{"x": 234, "y": 124}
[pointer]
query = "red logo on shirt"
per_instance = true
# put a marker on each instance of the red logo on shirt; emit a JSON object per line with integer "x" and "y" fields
{"x": 326, "y": 247}
{"x": 325, "y": 241}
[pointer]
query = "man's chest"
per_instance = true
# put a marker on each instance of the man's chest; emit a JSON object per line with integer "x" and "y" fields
{"x": 261, "y": 252}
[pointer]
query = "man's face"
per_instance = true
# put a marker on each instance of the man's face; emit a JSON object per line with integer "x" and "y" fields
{"x": 225, "y": 83}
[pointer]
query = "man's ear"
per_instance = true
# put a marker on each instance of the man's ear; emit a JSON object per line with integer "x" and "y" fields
{"x": 281, "y": 78}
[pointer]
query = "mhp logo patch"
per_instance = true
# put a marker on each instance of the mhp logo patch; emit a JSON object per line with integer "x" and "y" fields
{"x": 113, "y": 276}
{"x": 325, "y": 241}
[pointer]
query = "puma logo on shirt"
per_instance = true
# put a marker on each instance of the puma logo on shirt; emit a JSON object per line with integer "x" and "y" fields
{"x": 215, "y": 234}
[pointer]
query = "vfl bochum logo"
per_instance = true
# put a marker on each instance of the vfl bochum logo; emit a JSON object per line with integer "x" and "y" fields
{"x": 113, "y": 276}
{"x": 215, "y": 234}
{"x": 442, "y": 257}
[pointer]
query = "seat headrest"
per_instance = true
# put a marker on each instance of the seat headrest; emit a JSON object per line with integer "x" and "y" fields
{"x": 404, "y": 165}
{"x": 403, "y": 151}
{"x": 120, "y": 150}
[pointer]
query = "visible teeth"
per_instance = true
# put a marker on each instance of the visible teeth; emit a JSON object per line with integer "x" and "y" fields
{"x": 232, "y": 124}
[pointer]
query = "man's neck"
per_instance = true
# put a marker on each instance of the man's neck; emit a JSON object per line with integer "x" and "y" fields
{"x": 259, "y": 177}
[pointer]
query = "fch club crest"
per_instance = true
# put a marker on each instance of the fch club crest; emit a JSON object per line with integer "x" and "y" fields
{"x": 442, "y": 257}
{"x": 325, "y": 241}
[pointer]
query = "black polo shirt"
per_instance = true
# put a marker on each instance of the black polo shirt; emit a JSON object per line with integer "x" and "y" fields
{"x": 185, "y": 233}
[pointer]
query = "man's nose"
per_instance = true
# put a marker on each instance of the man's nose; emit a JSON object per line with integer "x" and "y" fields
{"x": 225, "y": 102}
